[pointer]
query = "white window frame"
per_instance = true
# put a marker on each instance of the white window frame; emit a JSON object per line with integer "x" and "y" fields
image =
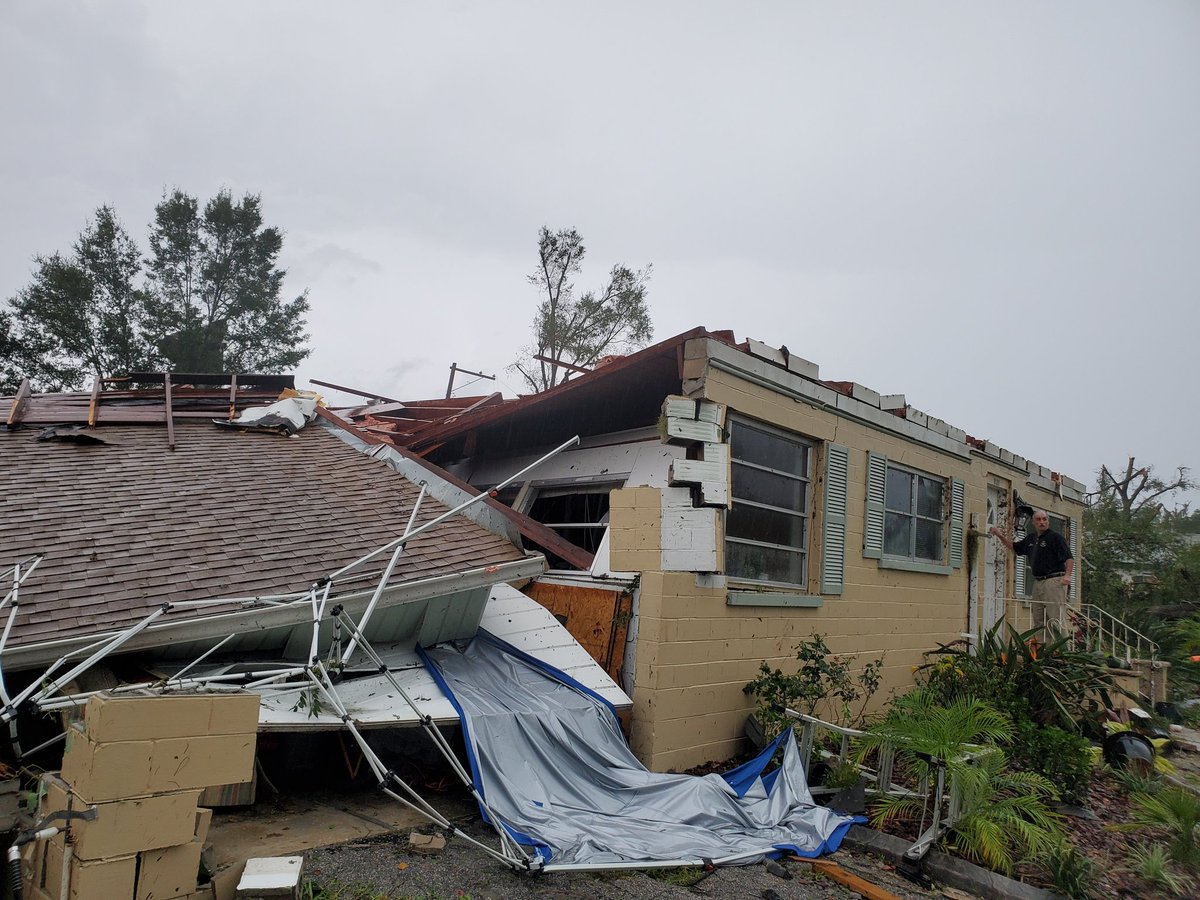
{"x": 942, "y": 520}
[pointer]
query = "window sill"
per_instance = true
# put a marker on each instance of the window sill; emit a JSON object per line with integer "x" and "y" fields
{"x": 912, "y": 565}
{"x": 772, "y": 598}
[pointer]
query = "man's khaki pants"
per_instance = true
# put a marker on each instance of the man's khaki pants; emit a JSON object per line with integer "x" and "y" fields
{"x": 1050, "y": 600}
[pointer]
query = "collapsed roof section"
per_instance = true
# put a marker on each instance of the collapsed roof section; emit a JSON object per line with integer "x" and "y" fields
{"x": 130, "y": 520}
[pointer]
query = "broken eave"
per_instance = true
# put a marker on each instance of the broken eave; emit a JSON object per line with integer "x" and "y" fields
{"x": 186, "y": 629}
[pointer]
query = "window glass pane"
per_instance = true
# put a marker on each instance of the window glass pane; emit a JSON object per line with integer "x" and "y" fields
{"x": 765, "y": 525}
{"x": 765, "y": 487}
{"x": 899, "y": 490}
{"x": 771, "y": 450}
{"x": 929, "y": 497}
{"x": 764, "y": 563}
{"x": 897, "y": 535}
{"x": 929, "y": 540}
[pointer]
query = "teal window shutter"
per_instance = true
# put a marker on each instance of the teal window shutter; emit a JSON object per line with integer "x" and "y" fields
{"x": 1019, "y": 561}
{"x": 873, "y": 520}
{"x": 958, "y": 493}
{"x": 833, "y": 538}
{"x": 1074, "y": 526}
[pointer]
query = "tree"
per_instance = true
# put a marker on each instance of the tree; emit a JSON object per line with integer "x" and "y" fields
{"x": 209, "y": 300}
{"x": 214, "y": 288}
{"x": 1140, "y": 565}
{"x": 80, "y": 316}
{"x": 570, "y": 332}
{"x": 1138, "y": 488}
{"x": 10, "y": 376}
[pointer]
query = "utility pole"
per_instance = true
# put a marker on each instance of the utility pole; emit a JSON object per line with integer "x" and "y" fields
{"x": 455, "y": 369}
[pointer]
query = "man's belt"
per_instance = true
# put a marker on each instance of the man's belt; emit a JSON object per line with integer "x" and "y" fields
{"x": 1047, "y": 577}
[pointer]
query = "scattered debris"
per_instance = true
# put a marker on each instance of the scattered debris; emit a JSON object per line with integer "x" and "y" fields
{"x": 426, "y": 844}
{"x": 271, "y": 876}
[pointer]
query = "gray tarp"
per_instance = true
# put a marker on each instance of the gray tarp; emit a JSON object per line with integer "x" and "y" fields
{"x": 552, "y": 764}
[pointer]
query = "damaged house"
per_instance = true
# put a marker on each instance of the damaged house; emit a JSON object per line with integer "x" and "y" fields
{"x": 205, "y": 536}
{"x": 726, "y": 502}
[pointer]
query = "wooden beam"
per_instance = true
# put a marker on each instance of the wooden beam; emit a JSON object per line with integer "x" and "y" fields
{"x": 167, "y": 411}
{"x": 571, "y": 367}
{"x": 859, "y": 885}
{"x": 94, "y": 403}
{"x": 356, "y": 393}
{"x": 19, "y": 401}
{"x": 232, "y": 397}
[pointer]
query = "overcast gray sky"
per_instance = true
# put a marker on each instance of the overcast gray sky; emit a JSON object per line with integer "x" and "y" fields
{"x": 993, "y": 208}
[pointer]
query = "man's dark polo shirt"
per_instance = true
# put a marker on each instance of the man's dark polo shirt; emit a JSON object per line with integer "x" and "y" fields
{"x": 1048, "y": 552}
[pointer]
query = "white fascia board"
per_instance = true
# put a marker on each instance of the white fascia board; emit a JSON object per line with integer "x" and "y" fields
{"x": 726, "y": 358}
{"x": 264, "y": 618}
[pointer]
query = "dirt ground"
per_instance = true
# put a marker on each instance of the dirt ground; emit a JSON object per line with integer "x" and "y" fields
{"x": 384, "y": 867}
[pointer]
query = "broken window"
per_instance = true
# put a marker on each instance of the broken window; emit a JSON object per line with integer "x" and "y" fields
{"x": 577, "y": 513}
{"x": 766, "y": 530}
{"x": 914, "y": 515}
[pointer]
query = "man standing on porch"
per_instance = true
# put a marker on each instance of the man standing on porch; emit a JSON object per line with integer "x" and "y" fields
{"x": 1052, "y": 563}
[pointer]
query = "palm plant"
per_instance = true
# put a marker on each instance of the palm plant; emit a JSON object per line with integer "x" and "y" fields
{"x": 1003, "y": 817}
{"x": 1176, "y": 811}
{"x": 1153, "y": 864}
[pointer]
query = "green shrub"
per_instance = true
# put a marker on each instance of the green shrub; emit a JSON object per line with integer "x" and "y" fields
{"x": 1063, "y": 757}
{"x": 1021, "y": 675}
{"x": 822, "y": 678}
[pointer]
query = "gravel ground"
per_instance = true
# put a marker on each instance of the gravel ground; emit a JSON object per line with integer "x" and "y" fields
{"x": 384, "y": 867}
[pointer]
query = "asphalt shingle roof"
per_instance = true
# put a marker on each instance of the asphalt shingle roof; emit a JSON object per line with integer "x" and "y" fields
{"x": 129, "y": 524}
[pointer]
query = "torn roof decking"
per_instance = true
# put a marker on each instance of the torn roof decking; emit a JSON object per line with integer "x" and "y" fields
{"x": 623, "y": 394}
{"x": 539, "y": 534}
{"x": 129, "y": 524}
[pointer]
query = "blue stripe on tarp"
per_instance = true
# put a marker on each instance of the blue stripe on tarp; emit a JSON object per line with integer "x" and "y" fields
{"x": 541, "y": 848}
{"x": 546, "y": 669}
{"x": 829, "y": 845}
{"x": 743, "y": 777}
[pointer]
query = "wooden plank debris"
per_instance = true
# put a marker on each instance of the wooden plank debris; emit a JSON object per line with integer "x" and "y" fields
{"x": 859, "y": 885}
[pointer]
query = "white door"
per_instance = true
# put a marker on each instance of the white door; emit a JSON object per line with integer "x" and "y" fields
{"x": 995, "y": 561}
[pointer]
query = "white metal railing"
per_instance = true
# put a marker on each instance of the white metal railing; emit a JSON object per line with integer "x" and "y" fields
{"x": 947, "y": 799}
{"x": 1104, "y": 632}
{"x": 1093, "y": 630}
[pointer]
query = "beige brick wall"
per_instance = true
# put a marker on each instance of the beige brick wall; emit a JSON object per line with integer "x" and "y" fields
{"x": 695, "y": 653}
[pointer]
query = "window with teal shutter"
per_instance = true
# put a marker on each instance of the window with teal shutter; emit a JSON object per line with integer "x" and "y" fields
{"x": 833, "y": 538}
{"x": 909, "y": 514}
{"x": 873, "y": 520}
{"x": 958, "y": 496}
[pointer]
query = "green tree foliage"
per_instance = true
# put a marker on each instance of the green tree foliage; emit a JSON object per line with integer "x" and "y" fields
{"x": 1141, "y": 563}
{"x": 207, "y": 300}
{"x": 81, "y": 315}
{"x": 580, "y": 329}
{"x": 10, "y": 376}
{"x": 214, "y": 302}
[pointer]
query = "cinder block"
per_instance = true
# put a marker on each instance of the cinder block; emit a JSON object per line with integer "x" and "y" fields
{"x": 864, "y": 394}
{"x": 764, "y": 351}
{"x": 803, "y": 367}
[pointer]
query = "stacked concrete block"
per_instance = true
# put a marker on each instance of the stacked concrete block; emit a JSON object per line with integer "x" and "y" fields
{"x": 141, "y": 763}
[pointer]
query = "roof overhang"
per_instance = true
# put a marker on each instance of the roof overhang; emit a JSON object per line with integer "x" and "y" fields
{"x": 262, "y": 617}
